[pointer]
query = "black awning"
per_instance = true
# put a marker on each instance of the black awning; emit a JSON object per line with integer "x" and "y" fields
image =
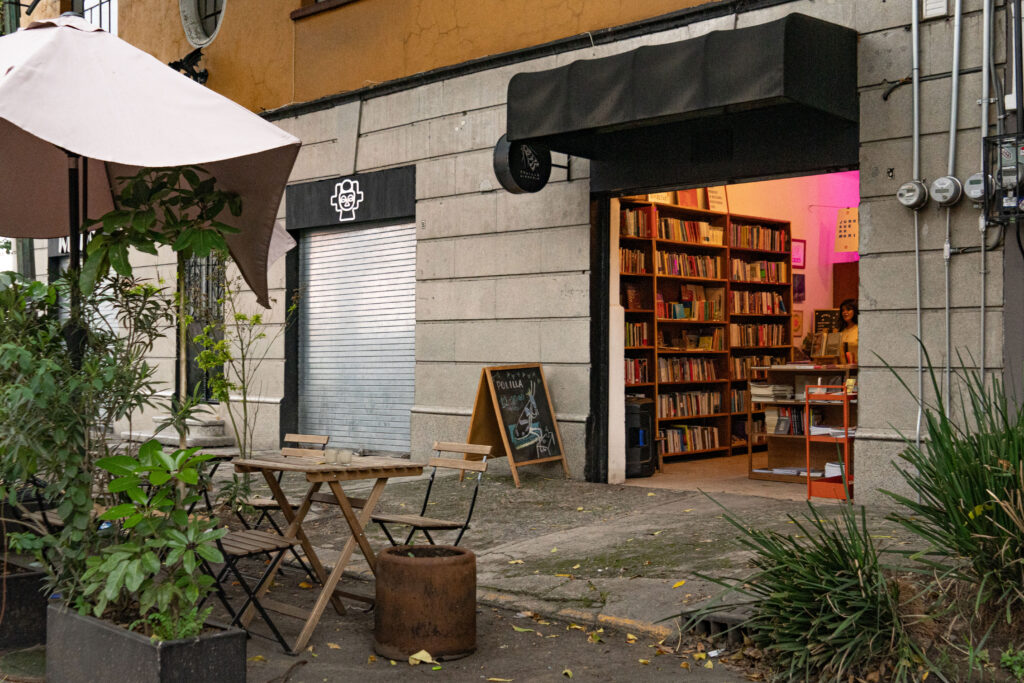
{"x": 601, "y": 108}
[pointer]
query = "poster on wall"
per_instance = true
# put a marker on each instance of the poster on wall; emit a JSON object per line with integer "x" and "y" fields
{"x": 717, "y": 199}
{"x": 799, "y": 291}
{"x": 798, "y": 324}
{"x": 799, "y": 253}
{"x": 848, "y": 230}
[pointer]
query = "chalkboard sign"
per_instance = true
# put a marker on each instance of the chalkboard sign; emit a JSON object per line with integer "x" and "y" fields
{"x": 512, "y": 413}
{"x": 826, "y": 320}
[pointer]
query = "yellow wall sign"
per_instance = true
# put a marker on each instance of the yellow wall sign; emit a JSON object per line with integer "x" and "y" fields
{"x": 848, "y": 230}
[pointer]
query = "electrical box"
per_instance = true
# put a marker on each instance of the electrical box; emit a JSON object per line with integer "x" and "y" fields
{"x": 1002, "y": 175}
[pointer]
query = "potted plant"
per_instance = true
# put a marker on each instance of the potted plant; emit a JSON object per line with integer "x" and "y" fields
{"x": 147, "y": 584}
{"x": 57, "y": 409}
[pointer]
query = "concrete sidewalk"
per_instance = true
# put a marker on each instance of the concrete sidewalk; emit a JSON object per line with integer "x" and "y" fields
{"x": 623, "y": 557}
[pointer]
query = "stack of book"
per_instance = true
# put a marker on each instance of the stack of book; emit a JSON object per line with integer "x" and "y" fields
{"x": 761, "y": 392}
{"x": 833, "y": 469}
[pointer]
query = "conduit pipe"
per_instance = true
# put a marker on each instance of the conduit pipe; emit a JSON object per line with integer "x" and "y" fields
{"x": 915, "y": 74}
{"x": 947, "y": 247}
{"x": 986, "y": 41}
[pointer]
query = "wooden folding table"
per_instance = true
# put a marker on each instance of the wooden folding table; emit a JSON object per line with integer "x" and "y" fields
{"x": 317, "y": 474}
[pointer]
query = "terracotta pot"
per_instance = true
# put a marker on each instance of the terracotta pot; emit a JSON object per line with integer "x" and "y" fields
{"x": 426, "y": 600}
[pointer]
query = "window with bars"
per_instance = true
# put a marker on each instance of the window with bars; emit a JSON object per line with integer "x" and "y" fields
{"x": 204, "y": 294}
{"x": 101, "y": 13}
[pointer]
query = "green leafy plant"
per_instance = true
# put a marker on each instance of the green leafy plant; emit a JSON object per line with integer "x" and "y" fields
{"x": 156, "y": 561}
{"x": 968, "y": 477}
{"x": 234, "y": 349}
{"x": 822, "y": 605}
{"x": 1013, "y": 661}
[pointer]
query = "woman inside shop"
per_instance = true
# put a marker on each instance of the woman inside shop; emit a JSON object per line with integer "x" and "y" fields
{"x": 848, "y": 327}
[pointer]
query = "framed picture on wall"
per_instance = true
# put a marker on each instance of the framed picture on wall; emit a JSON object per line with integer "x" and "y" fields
{"x": 799, "y": 253}
{"x": 798, "y": 324}
{"x": 799, "y": 293}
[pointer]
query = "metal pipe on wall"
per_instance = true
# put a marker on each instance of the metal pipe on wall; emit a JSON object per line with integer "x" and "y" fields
{"x": 915, "y": 73}
{"x": 950, "y": 171}
{"x": 986, "y": 41}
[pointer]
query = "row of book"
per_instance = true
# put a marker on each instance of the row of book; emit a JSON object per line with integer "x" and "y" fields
{"x": 775, "y": 272}
{"x": 637, "y": 222}
{"x": 690, "y": 231}
{"x": 637, "y": 371}
{"x": 638, "y": 334}
{"x": 757, "y": 303}
{"x": 689, "y": 265}
{"x": 700, "y": 310}
{"x": 790, "y": 419}
{"x": 758, "y": 237}
{"x": 702, "y": 339}
{"x": 676, "y": 369}
{"x": 761, "y": 334}
{"x": 741, "y": 365}
{"x": 689, "y": 403}
{"x": 632, "y": 261}
{"x": 687, "y": 438}
{"x": 739, "y": 400}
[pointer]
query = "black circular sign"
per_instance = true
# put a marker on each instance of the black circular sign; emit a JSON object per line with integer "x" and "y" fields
{"x": 521, "y": 166}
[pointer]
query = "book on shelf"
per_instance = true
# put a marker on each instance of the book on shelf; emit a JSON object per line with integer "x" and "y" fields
{"x": 632, "y": 295}
{"x": 782, "y": 426}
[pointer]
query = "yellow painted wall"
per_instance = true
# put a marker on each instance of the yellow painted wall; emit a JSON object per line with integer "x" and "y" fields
{"x": 263, "y": 59}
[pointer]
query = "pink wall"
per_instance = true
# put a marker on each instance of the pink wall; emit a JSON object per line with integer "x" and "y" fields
{"x": 811, "y": 204}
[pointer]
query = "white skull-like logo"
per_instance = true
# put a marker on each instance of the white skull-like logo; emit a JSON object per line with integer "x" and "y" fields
{"x": 346, "y": 199}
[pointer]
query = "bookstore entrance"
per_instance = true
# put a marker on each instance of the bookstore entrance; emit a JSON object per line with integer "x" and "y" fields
{"x": 732, "y": 308}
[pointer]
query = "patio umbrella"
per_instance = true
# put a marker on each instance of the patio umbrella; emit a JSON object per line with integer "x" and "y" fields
{"x": 69, "y": 90}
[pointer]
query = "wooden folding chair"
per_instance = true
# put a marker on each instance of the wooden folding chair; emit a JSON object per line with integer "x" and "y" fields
{"x": 236, "y": 546}
{"x": 426, "y": 524}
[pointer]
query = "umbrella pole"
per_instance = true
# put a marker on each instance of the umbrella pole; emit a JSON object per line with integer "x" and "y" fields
{"x": 75, "y": 335}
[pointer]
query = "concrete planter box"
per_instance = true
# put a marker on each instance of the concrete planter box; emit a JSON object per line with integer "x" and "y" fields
{"x": 84, "y": 649}
{"x": 24, "y": 620}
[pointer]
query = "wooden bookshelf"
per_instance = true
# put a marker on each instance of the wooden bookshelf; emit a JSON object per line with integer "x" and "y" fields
{"x": 677, "y": 283}
{"x": 800, "y": 449}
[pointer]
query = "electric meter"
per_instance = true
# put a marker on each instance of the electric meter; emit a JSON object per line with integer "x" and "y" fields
{"x": 974, "y": 188}
{"x": 912, "y": 194}
{"x": 946, "y": 190}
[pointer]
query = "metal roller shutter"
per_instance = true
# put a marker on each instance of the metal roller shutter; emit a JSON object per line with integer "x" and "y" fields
{"x": 357, "y": 335}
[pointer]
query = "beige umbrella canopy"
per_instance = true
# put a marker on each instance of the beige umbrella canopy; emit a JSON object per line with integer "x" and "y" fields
{"x": 68, "y": 88}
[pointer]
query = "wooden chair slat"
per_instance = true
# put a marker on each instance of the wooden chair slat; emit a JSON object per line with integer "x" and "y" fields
{"x": 417, "y": 521}
{"x": 452, "y": 463}
{"x": 319, "y": 439}
{"x": 303, "y": 452}
{"x": 452, "y": 447}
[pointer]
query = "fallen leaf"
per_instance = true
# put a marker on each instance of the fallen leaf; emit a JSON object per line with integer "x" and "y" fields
{"x": 305, "y": 584}
{"x": 656, "y": 533}
{"x": 677, "y": 584}
{"x": 630, "y": 638}
{"x": 421, "y": 657}
{"x": 574, "y": 627}
{"x": 393, "y": 662}
{"x": 688, "y": 510}
{"x": 699, "y": 655}
{"x": 924, "y": 676}
{"x": 515, "y": 561}
{"x": 543, "y": 623}
{"x": 595, "y": 637}
{"x": 575, "y": 566}
{"x": 662, "y": 650}
{"x": 684, "y": 665}
{"x": 567, "y": 673}
{"x": 709, "y": 665}
{"x": 310, "y": 651}
{"x": 257, "y": 658}
{"x": 644, "y": 661}
{"x": 553, "y": 635}
{"x": 334, "y": 646}
{"x": 564, "y": 576}
{"x": 579, "y": 509}
{"x": 651, "y": 494}
{"x": 372, "y": 659}
{"x": 527, "y": 613}
{"x": 520, "y": 629}
{"x": 500, "y": 680}
{"x": 554, "y": 550}
{"x": 436, "y": 668}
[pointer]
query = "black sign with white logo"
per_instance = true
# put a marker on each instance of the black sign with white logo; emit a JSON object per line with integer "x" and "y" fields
{"x": 348, "y": 200}
{"x": 61, "y": 246}
{"x": 521, "y": 166}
